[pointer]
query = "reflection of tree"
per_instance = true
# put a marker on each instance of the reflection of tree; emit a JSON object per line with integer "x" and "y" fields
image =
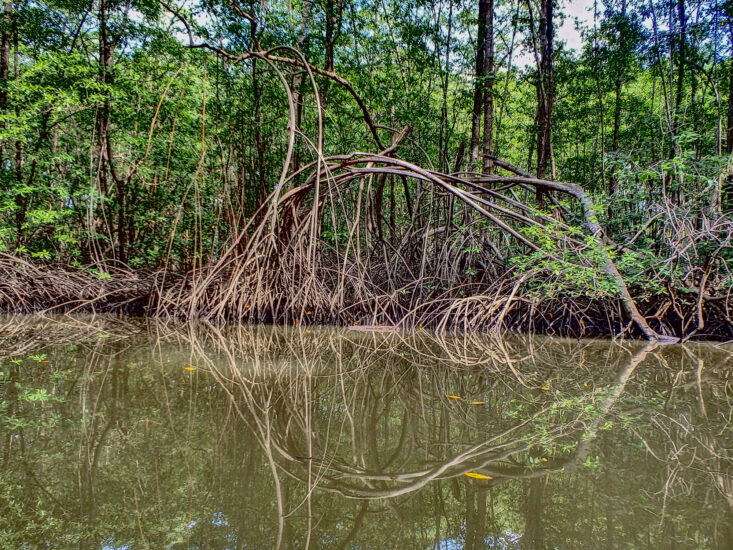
{"x": 696, "y": 447}
{"x": 300, "y": 438}
{"x": 407, "y": 464}
{"x": 18, "y": 338}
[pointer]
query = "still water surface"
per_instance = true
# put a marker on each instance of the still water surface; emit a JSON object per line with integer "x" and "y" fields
{"x": 123, "y": 434}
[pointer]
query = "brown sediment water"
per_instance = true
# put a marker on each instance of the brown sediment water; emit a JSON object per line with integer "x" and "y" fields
{"x": 125, "y": 433}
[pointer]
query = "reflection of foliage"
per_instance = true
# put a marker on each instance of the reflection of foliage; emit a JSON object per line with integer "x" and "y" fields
{"x": 210, "y": 437}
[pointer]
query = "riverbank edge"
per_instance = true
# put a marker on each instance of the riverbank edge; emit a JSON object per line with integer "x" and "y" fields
{"x": 26, "y": 288}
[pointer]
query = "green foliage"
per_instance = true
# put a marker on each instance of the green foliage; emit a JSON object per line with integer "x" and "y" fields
{"x": 556, "y": 270}
{"x": 194, "y": 143}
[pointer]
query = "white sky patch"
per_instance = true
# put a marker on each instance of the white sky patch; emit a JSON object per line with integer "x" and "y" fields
{"x": 574, "y": 10}
{"x": 577, "y": 9}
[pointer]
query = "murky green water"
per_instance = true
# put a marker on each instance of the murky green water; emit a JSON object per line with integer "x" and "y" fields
{"x": 121, "y": 434}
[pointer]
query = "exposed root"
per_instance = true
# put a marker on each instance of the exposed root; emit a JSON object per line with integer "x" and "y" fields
{"x": 28, "y": 288}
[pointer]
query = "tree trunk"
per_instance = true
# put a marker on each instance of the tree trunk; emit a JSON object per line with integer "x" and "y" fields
{"x": 261, "y": 192}
{"x": 330, "y": 34}
{"x": 4, "y": 65}
{"x": 21, "y": 200}
{"x": 476, "y": 517}
{"x": 545, "y": 93}
{"x": 618, "y": 89}
{"x": 681, "y": 60}
{"x": 727, "y": 191}
{"x": 488, "y": 88}
{"x": 297, "y": 79}
{"x": 483, "y": 7}
{"x": 333, "y": 25}
{"x": 10, "y": 37}
{"x": 104, "y": 145}
{"x": 102, "y": 122}
{"x": 729, "y": 133}
{"x": 616, "y": 130}
{"x": 545, "y": 90}
{"x": 533, "y": 538}
{"x": 443, "y": 135}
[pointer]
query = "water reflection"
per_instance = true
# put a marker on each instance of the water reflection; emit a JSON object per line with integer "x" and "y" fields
{"x": 118, "y": 433}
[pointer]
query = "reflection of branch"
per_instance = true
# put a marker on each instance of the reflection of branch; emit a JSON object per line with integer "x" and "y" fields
{"x": 309, "y": 397}
{"x": 295, "y": 436}
{"x": 614, "y": 393}
{"x": 21, "y": 335}
{"x": 690, "y": 443}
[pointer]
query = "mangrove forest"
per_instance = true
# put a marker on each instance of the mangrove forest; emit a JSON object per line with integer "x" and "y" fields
{"x": 530, "y": 166}
{"x": 366, "y": 274}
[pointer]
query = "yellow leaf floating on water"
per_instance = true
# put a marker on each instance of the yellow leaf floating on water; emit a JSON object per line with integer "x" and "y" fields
{"x": 189, "y": 368}
{"x": 477, "y": 403}
{"x": 451, "y": 396}
{"x": 476, "y": 475}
